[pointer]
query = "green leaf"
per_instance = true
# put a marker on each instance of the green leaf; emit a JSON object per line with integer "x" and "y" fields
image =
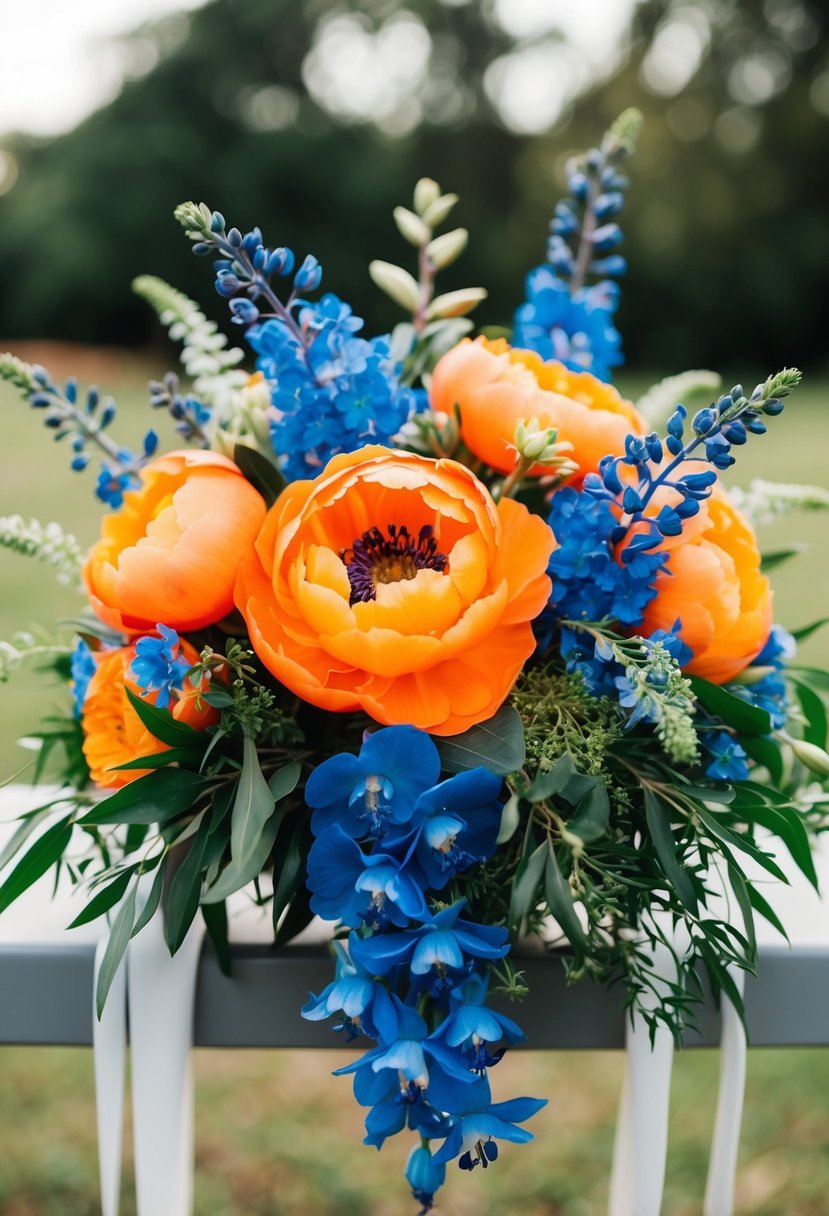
{"x": 786, "y": 823}
{"x": 737, "y": 841}
{"x": 262, "y": 473}
{"x": 119, "y": 937}
{"x": 236, "y": 875}
{"x": 185, "y": 890}
{"x": 705, "y": 793}
{"x": 806, "y": 631}
{"x": 219, "y": 699}
{"x": 285, "y": 780}
{"x": 525, "y": 886}
{"x": 153, "y": 899}
{"x": 761, "y": 905}
{"x": 497, "y": 744}
{"x": 770, "y": 561}
{"x": 163, "y": 726}
{"x": 22, "y": 833}
{"x": 765, "y": 752}
{"x": 560, "y": 902}
{"x": 745, "y": 718}
{"x": 740, "y": 889}
{"x": 155, "y": 798}
{"x": 296, "y": 918}
{"x": 658, "y": 819}
{"x": 289, "y": 877}
{"x": 814, "y": 711}
{"x": 215, "y": 919}
{"x": 106, "y": 898}
{"x": 554, "y": 781}
{"x": 592, "y": 814}
{"x": 173, "y": 755}
{"x": 252, "y": 808}
{"x": 45, "y": 851}
{"x": 816, "y": 675}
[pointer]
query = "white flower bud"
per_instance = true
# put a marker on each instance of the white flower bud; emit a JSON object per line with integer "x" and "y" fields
{"x": 456, "y": 303}
{"x": 814, "y": 757}
{"x": 437, "y": 212}
{"x": 411, "y": 227}
{"x": 396, "y": 283}
{"x": 443, "y": 250}
{"x": 426, "y": 193}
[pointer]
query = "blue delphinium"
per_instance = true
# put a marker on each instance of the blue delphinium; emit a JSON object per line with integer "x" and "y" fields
{"x": 770, "y": 693}
{"x": 565, "y": 316}
{"x": 158, "y": 666}
{"x": 388, "y": 834}
{"x": 82, "y": 669}
{"x": 726, "y": 759}
{"x": 333, "y": 391}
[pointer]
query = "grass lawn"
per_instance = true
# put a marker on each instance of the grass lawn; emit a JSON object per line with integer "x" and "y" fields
{"x": 276, "y": 1134}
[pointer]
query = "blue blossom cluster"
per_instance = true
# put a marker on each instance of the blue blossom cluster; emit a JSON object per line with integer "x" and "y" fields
{"x": 333, "y": 390}
{"x": 190, "y": 415}
{"x": 81, "y": 669}
{"x": 564, "y": 316}
{"x": 158, "y": 666}
{"x": 389, "y": 835}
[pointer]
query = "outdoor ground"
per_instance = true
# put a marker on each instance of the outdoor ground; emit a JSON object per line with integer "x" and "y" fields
{"x": 275, "y": 1133}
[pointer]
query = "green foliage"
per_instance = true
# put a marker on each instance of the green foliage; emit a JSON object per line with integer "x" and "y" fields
{"x": 497, "y": 743}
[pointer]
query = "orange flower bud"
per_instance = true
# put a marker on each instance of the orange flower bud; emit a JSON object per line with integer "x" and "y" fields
{"x": 392, "y": 583}
{"x": 170, "y": 553}
{"x": 496, "y": 385}
{"x": 113, "y": 732}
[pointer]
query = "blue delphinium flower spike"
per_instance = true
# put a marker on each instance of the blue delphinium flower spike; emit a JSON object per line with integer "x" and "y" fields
{"x": 481, "y": 1122}
{"x": 364, "y": 1003}
{"x": 82, "y": 669}
{"x": 358, "y": 889}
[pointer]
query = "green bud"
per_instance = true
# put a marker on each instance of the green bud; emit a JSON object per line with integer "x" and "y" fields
{"x": 16, "y": 372}
{"x": 397, "y": 283}
{"x": 194, "y": 218}
{"x": 443, "y": 250}
{"x": 438, "y": 211}
{"x": 411, "y": 227}
{"x": 814, "y": 757}
{"x": 426, "y": 192}
{"x": 624, "y": 132}
{"x": 456, "y": 303}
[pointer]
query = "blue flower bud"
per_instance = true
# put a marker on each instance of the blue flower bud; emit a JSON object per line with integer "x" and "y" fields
{"x": 612, "y": 179}
{"x": 606, "y": 237}
{"x": 78, "y": 443}
{"x": 107, "y": 415}
{"x": 674, "y": 444}
{"x": 635, "y": 449}
{"x": 676, "y": 422}
{"x": 281, "y": 261}
{"x": 717, "y": 451}
{"x": 610, "y": 477}
{"x": 71, "y": 390}
{"x": 217, "y": 223}
{"x": 725, "y": 403}
{"x": 735, "y": 432}
{"x": 260, "y": 258}
{"x": 244, "y": 312}
{"x": 687, "y": 508}
{"x": 609, "y": 204}
{"x": 773, "y": 407}
{"x": 697, "y": 482}
{"x": 669, "y": 522}
{"x": 631, "y": 501}
{"x": 235, "y": 238}
{"x": 736, "y": 392}
{"x": 615, "y": 266}
{"x": 654, "y": 446}
{"x": 578, "y": 185}
{"x": 227, "y": 284}
{"x": 92, "y": 399}
{"x": 594, "y": 159}
{"x": 704, "y": 420}
{"x": 309, "y": 275}
{"x": 39, "y": 401}
{"x": 755, "y": 425}
{"x": 40, "y": 375}
{"x": 79, "y": 463}
{"x": 201, "y": 249}
{"x": 150, "y": 442}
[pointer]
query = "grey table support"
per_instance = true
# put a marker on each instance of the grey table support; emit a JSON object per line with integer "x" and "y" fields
{"x": 46, "y": 998}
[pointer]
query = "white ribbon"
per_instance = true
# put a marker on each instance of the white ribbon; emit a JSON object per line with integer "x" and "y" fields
{"x": 160, "y": 993}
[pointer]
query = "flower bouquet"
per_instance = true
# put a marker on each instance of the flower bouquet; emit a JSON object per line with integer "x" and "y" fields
{"x": 435, "y": 637}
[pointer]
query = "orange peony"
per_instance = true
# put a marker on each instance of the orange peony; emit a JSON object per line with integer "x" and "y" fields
{"x": 495, "y": 385}
{"x": 113, "y": 732}
{"x": 392, "y": 583}
{"x": 170, "y": 553}
{"x": 712, "y": 584}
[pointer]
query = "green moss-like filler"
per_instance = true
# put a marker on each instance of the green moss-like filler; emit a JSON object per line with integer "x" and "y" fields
{"x": 559, "y": 716}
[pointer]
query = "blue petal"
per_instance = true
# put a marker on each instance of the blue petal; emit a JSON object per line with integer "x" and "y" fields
{"x": 410, "y": 760}
{"x": 450, "y": 1148}
{"x": 332, "y": 781}
{"x": 481, "y": 1126}
{"x": 381, "y": 952}
{"x": 439, "y": 946}
{"x": 517, "y": 1110}
{"x": 405, "y": 1056}
{"x": 385, "y": 1119}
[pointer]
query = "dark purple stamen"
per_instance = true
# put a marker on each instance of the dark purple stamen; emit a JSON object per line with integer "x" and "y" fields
{"x": 375, "y": 559}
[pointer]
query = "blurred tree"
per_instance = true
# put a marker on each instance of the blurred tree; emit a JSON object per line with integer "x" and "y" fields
{"x": 313, "y": 119}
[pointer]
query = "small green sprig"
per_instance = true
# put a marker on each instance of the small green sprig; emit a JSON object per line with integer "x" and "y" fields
{"x": 46, "y": 542}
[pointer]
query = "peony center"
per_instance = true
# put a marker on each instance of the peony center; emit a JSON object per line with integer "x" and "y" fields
{"x": 375, "y": 558}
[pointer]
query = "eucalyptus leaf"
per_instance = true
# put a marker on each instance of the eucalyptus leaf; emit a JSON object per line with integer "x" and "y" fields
{"x": 45, "y": 851}
{"x": 261, "y": 472}
{"x": 765, "y": 752}
{"x": 761, "y": 905}
{"x": 497, "y": 744}
{"x": 814, "y": 711}
{"x": 185, "y": 890}
{"x": 560, "y": 902}
{"x": 554, "y": 781}
{"x": 740, "y": 888}
{"x": 289, "y": 870}
{"x": 525, "y": 887}
{"x": 163, "y": 726}
{"x": 770, "y": 561}
{"x": 215, "y": 919}
{"x": 658, "y": 819}
{"x": 806, "y": 631}
{"x": 734, "y": 711}
{"x": 155, "y": 798}
{"x": 235, "y": 876}
{"x": 119, "y": 937}
{"x": 106, "y": 898}
{"x": 153, "y": 899}
{"x": 285, "y": 780}
{"x": 297, "y": 916}
{"x": 592, "y": 815}
{"x": 172, "y": 755}
{"x": 252, "y": 808}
